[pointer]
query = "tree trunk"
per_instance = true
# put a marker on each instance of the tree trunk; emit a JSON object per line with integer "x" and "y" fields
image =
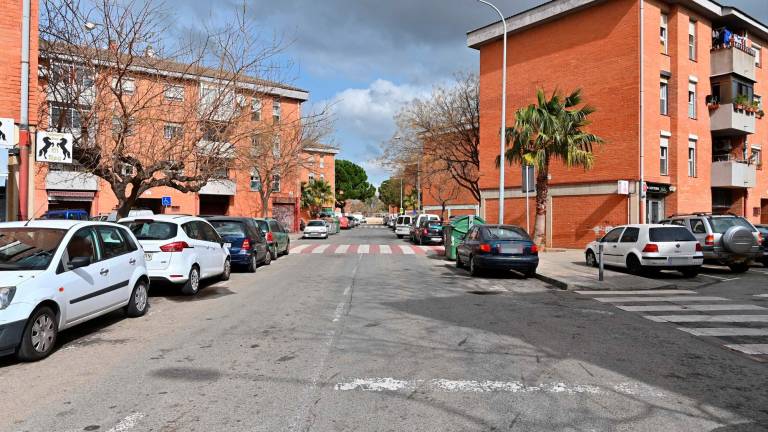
{"x": 264, "y": 203}
{"x": 542, "y": 192}
{"x": 442, "y": 211}
{"x": 124, "y": 205}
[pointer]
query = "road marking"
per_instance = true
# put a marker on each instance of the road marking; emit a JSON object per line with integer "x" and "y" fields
{"x": 342, "y": 249}
{"x": 363, "y": 249}
{"x": 472, "y": 386}
{"x": 658, "y": 299}
{"x": 385, "y": 249}
{"x": 709, "y": 318}
{"x": 638, "y": 292}
{"x": 407, "y": 250}
{"x": 751, "y": 349}
{"x": 723, "y": 279}
{"x": 299, "y": 248}
{"x": 127, "y": 423}
{"x": 725, "y": 331}
{"x": 677, "y": 308}
{"x": 320, "y": 249}
{"x": 761, "y": 295}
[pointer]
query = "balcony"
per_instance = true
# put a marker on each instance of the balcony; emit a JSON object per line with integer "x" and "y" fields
{"x": 218, "y": 187}
{"x": 731, "y": 173}
{"x": 71, "y": 180}
{"x": 733, "y": 60}
{"x": 727, "y": 120}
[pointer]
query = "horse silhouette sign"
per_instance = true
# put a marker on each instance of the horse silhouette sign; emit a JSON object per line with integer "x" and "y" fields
{"x": 54, "y": 147}
{"x": 6, "y": 132}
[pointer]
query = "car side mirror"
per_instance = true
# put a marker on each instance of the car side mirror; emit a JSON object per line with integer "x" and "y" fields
{"x": 79, "y": 262}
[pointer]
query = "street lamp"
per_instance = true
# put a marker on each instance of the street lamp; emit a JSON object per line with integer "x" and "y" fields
{"x": 398, "y": 138}
{"x": 90, "y": 26}
{"x": 503, "y": 112}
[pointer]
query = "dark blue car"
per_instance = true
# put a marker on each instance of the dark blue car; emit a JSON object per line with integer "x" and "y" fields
{"x": 76, "y": 214}
{"x": 497, "y": 247}
{"x": 247, "y": 245}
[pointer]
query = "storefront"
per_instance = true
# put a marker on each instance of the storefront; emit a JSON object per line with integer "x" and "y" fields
{"x": 656, "y": 194}
{"x": 70, "y": 200}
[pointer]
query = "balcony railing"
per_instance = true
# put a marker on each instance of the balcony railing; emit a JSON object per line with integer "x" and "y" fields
{"x": 726, "y": 119}
{"x": 729, "y": 172}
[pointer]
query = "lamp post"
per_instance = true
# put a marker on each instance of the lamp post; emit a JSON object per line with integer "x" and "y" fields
{"x": 503, "y": 111}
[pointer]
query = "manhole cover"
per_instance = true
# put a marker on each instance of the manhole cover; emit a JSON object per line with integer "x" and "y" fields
{"x": 485, "y": 292}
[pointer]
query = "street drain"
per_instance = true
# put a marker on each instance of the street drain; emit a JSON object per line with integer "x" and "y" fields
{"x": 484, "y": 292}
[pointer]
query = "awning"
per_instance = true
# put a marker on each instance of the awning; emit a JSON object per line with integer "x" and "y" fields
{"x": 60, "y": 195}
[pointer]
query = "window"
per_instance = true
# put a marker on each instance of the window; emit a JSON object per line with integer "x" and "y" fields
{"x": 215, "y": 132}
{"x": 758, "y": 100}
{"x": 274, "y": 226}
{"x": 193, "y": 231}
{"x": 692, "y": 100}
{"x": 692, "y": 40}
{"x": 174, "y": 92}
{"x": 255, "y": 181}
{"x": 322, "y": 161}
{"x": 64, "y": 118}
{"x": 670, "y": 234}
{"x": 276, "y": 111}
{"x": 664, "y": 33}
{"x": 152, "y": 230}
{"x": 698, "y": 227}
{"x": 276, "y": 183}
{"x": 311, "y": 177}
{"x": 276, "y": 147}
{"x": 209, "y": 233}
{"x": 112, "y": 241}
{"x": 757, "y": 156}
{"x": 631, "y": 235}
{"x": 664, "y": 97}
{"x": 255, "y": 109}
{"x": 171, "y": 131}
{"x": 664, "y": 156}
{"x": 758, "y": 55}
{"x": 26, "y": 248}
{"x": 127, "y": 85}
{"x": 82, "y": 244}
{"x": 118, "y": 127}
{"x": 613, "y": 236}
{"x": 691, "y": 158}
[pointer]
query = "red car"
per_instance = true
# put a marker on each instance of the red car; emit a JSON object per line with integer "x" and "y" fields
{"x": 344, "y": 222}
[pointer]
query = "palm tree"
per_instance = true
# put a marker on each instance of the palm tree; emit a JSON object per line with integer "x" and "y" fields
{"x": 550, "y": 129}
{"x": 314, "y": 195}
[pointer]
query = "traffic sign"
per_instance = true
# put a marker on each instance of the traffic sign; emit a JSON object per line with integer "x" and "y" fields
{"x": 6, "y": 132}
{"x": 166, "y": 200}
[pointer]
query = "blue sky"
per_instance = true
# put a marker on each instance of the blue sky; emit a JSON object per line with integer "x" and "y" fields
{"x": 369, "y": 57}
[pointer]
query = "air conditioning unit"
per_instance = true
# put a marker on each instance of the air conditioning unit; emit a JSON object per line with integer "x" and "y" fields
{"x": 126, "y": 170}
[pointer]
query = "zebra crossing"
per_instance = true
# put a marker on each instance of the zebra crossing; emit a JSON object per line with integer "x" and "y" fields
{"x": 366, "y": 249}
{"x": 739, "y": 326}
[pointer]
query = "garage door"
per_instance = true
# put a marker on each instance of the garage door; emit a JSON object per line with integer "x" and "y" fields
{"x": 284, "y": 214}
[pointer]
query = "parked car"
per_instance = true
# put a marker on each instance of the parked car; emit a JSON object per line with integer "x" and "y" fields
{"x": 55, "y": 274}
{"x": 113, "y": 217}
{"x": 277, "y": 236}
{"x": 393, "y": 222}
{"x": 316, "y": 229}
{"x": 764, "y": 233}
{"x": 416, "y": 223}
{"x": 76, "y": 214}
{"x": 497, "y": 247}
{"x": 430, "y": 231}
{"x": 353, "y": 222}
{"x": 344, "y": 223}
{"x": 181, "y": 249}
{"x": 247, "y": 244}
{"x": 648, "y": 247}
{"x": 403, "y": 226}
{"x": 728, "y": 240}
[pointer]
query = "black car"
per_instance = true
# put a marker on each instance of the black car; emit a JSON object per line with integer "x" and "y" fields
{"x": 497, "y": 247}
{"x": 247, "y": 244}
{"x": 763, "y": 229}
{"x": 430, "y": 231}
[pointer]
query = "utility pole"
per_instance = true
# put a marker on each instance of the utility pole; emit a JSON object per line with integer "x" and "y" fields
{"x": 24, "y": 120}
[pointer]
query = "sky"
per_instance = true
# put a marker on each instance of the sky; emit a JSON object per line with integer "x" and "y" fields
{"x": 370, "y": 57}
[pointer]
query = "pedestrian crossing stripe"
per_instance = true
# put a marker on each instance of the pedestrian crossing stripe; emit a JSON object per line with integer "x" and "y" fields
{"x": 364, "y": 249}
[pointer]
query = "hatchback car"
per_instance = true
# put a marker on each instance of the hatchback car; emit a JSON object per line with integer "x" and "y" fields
{"x": 247, "y": 244}
{"x": 55, "y": 274}
{"x": 76, "y": 214}
{"x": 648, "y": 247}
{"x": 416, "y": 223}
{"x": 316, "y": 229}
{"x": 181, "y": 249}
{"x": 403, "y": 226}
{"x": 277, "y": 236}
{"x": 430, "y": 231}
{"x": 497, "y": 247}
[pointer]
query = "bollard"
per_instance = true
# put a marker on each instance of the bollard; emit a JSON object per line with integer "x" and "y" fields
{"x": 600, "y": 261}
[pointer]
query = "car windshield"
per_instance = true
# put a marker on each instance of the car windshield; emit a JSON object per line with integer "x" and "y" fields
{"x": 316, "y": 223}
{"x": 434, "y": 224}
{"x": 229, "y": 228}
{"x": 506, "y": 233}
{"x": 721, "y": 224}
{"x": 670, "y": 234}
{"x": 28, "y": 248}
{"x": 152, "y": 230}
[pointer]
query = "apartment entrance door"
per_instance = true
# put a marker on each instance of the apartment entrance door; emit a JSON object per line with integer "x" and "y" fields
{"x": 654, "y": 211}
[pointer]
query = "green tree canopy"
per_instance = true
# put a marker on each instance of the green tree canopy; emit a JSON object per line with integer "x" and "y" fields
{"x": 389, "y": 192}
{"x": 352, "y": 183}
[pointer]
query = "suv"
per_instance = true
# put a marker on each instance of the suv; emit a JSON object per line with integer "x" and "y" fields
{"x": 726, "y": 239}
{"x": 764, "y": 231}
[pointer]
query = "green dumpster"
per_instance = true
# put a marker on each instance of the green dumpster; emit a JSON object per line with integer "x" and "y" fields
{"x": 454, "y": 233}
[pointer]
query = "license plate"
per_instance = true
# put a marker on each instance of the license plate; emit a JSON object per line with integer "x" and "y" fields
{"x": 227, "y": 245}
{"x": 512, "y": 249}
{"x": 678, "y": 260}
{"x": 437, "y": 238}
{"x": 147, "y": 257}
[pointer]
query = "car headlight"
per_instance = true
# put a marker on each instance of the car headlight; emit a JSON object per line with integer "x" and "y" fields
{"x": 6, "y": 295}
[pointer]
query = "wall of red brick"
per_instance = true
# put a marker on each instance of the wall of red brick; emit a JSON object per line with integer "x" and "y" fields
{"x": 757, "y": 197}
{"x": 10, "y": 67}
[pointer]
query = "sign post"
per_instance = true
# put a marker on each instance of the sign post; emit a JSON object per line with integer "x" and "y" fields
{"x": 529, "y": 185}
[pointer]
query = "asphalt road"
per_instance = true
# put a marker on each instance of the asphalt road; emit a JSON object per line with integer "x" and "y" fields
{"x": 344, "y": 340}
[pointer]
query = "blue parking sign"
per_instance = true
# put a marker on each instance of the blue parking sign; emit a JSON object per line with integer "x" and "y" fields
{"x": 166, "y": 200}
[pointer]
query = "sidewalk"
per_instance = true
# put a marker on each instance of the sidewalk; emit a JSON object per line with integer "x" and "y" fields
{"x": 567, "y": 270}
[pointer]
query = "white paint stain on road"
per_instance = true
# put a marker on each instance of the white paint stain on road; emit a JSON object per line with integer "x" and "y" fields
{"x": 127, "y": 423}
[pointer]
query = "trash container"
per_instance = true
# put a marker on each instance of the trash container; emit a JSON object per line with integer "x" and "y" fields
{"x": 455, "y": 232}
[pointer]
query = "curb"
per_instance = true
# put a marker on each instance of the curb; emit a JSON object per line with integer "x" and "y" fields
{"x": 552, "y": 281}
{"x": 563, "y": 285}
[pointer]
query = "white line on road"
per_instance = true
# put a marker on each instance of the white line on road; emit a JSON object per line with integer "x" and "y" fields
{"x": 678, "y": 308}
{"x": 385, "y": 249}
{"x": 720, "y": 278}
{"x": 761, "y": 295}
{"x": 710, "y": 318}
{"x": 407, "y": 250}
{"x": 424, "y": 248}
{"x": 657, "y": 299}
{"x": 725, "y": 331}
{"x": 299, "y": 248}
{"x": 751, "y": 349}
{"x": 638, "y": 292}
{"x": 320, "y": 249}
{"x": 127, "y": 423}
{"x": 342, "y": 249}
{"x": 363, "y": 249}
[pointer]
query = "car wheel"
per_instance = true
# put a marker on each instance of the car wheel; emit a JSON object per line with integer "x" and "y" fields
{"x": 39, "y": 336}
{"x": 689, "y": 273}
{"x": 529, "y": 273}
{"x": 474, "y": 270}
{"x": 399, "y": 236}
{"x": 139, "y": 301}
{"x": 633, "y": 265}
{"x": 227, "y": 270}
{"x": 287, "y": 249}
{"x": 193, "y": 282}
{"x": 273, "y": 254}
{"x": 252, "y": 264}
{"x": 458, "y": 261}
{"x": 739, "y": 268}
{"x": 591, "y": 259}
{"x": 268, "y": 257}
{"x": 420, "y": 241}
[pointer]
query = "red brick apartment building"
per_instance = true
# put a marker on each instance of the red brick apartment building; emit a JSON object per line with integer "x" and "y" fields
{"x": 678, "y": 105}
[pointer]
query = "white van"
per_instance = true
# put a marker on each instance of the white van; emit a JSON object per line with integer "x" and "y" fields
{"x": 403, "y": 226}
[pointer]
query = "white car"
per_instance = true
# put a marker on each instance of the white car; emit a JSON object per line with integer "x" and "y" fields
{"x": 55, "y": 274}
{"x": 403, "y": 226}
{"x": 181, "y": 249}
{"x": 316, "y": 229}
{"x": 649, "y": 247}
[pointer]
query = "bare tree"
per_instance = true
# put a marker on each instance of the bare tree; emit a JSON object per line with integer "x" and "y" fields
{"x": 442, "y": 190}
{"x": 143, "y": 114}
{"x": 444, "y": 131}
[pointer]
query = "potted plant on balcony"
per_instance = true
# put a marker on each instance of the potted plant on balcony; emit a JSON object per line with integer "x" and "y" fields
{"x": 760, "y": 113}
{"x": 713, "y": 102}
{"x": 740, "y": 102}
